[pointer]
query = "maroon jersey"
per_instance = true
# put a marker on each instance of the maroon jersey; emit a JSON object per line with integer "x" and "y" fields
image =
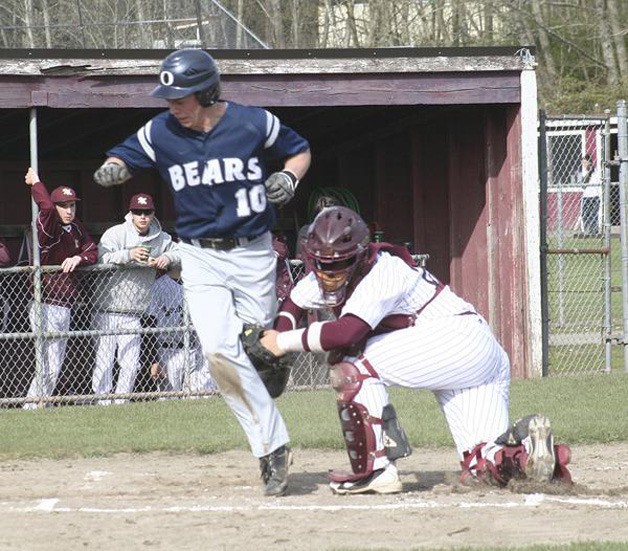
{"x": 283, "y": 284}
{"x": 58, "y": 242}
{"x": 5, "y": 257}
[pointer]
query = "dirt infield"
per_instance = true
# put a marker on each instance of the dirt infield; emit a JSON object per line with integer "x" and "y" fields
{"x": 214, "y": 502}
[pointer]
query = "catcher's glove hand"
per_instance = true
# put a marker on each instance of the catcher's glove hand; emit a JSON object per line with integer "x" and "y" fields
{"x": 280, "y": 187}
{"x": 273, "y": 370}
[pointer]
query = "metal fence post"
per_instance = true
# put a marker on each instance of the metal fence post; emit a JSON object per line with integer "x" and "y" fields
{"x": 543, "y": 240}
{"x": 622, "y": 148}
{"x": 606, "y": 221}
{"x": 37, "y": 317}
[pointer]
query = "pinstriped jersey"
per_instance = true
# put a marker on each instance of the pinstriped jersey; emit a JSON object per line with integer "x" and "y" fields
{"x": 391, "y": 287}
{"x": 216, "y": 178}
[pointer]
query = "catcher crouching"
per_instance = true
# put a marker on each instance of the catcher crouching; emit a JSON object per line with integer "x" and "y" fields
{"x": 398, "y": 325}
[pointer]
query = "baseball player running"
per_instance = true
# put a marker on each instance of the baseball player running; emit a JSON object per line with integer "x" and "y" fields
{"x": 397, "y": 325}
{"x": 63, "y": 241}
{"x": 216, "y": 157}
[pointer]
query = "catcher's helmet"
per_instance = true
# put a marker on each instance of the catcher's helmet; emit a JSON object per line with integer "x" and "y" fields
{"x": 336, "y": 244}
{"x": 189, "y": 71}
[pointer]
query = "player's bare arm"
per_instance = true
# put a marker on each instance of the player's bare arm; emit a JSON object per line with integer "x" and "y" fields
{"x": 299, "y": 163}
{"x": 113, "y": 172}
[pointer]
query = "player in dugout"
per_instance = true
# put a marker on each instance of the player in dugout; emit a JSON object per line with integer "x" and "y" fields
{"x": 63, "y": 241}
{"x": 397, "y": 325}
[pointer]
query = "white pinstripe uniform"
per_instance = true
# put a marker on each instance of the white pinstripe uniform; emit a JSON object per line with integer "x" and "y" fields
{"x": 186, "y": 368}
{"x": 450, "y": 350}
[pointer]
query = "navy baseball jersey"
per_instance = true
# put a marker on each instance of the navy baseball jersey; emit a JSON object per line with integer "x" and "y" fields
{"x": 216, "y": 177}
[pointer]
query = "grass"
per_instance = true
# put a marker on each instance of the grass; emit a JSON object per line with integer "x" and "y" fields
{"x": 576, "y": 307}
{"x": 583, "y": 409}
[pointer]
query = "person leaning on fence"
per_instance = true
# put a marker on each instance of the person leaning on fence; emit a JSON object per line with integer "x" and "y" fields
{"x": 5, "y": 305}
{"x": 398, "y": 325}
{"x": 5, "y": 256}
{"x": 142, "y": 247}
{"x": 591, "y": 196}
{"x": 63, "y": 241}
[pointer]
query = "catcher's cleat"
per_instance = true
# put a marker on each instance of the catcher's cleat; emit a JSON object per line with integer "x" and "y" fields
{"x": 527, "y": 451}
{"x": 539, "y": 444}
{"x": 380, "y": 481}
{"x": 517, "y": 432}
{"x": 274, "y": 467}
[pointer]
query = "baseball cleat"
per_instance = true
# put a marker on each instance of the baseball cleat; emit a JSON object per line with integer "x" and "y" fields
{"x": 539, "y": 444}
{"x": 380, "y": 481}
{"x": 274, "y": 467}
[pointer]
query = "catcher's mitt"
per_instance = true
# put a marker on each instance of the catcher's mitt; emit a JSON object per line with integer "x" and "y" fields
{"x": 273, "y": 370}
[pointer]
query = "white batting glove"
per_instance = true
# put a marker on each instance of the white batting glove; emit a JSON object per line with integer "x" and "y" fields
{"x": 111, "y": 174}
{"x": 280, "y": 187}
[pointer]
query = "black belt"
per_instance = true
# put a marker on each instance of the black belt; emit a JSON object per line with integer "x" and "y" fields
{"x": 220, "y": 243}
{"x": 174, "y": 345}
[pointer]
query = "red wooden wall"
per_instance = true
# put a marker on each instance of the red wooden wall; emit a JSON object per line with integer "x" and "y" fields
{"x": 452, "y": 187}
{"x": 450, "y": 183}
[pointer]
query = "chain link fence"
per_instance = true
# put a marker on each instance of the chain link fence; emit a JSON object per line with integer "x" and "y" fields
{"x": 106, "y": 346}
{"x": 579, "y": 244}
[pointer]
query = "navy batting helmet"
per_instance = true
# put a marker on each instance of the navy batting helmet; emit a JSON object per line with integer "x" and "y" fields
{"x": 189, "y": 71}
{"x": 336, "y": 244}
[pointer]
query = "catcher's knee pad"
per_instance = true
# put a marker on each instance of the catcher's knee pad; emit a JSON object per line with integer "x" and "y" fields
{"x": 346, "y": 380}
{"x": 355, "y": 420}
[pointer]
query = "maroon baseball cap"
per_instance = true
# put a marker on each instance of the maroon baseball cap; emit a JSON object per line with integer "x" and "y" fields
{"x": 63, "y": 194}
{"x": 141, "y": 201}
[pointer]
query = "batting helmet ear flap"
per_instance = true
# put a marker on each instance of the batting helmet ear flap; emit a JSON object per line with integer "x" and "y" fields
{"x": 209, "y": 96}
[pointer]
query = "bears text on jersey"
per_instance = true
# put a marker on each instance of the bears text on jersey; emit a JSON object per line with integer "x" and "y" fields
{"x": 214, "y": 171}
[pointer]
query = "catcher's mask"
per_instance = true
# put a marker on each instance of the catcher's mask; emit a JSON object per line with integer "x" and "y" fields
{"x": 336, "y": 245}
{"x": 189, "y": 71}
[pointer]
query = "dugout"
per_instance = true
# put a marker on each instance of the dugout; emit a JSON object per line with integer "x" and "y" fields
{"x": 438, "y": 146}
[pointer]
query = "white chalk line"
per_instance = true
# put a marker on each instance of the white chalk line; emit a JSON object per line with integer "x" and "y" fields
{"x": 52, "y": 505}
